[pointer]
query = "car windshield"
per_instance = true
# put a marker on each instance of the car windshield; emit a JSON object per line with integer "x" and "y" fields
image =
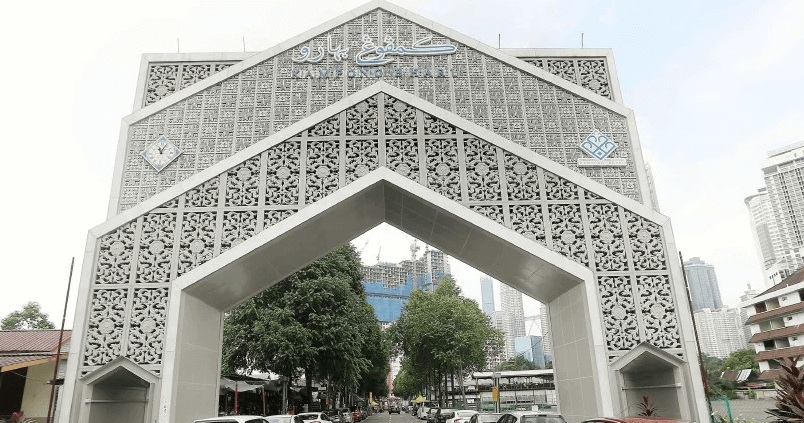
{"x": 278, "y": 420}
{"x": 465, "y": 413}
{"x": 488, "y": 418}
{"x": 542, "y": 419}
{"x": 308, "y": 416}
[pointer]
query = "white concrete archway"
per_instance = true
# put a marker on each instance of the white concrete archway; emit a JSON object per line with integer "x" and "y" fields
{"x": 158, "y": 276}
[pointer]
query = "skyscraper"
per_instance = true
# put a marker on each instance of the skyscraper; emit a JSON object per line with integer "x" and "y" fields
{"x": 487, "y": 294}
{"x": 531, "y": 348}
{"x": 747, "y": 295}
{"x": 766, "y": 236}
{"x": 547, "y": 341}
{"x": 703, "y": 284}
{"x": 720, "y": 331}
{"x": 388, "y": 285}
{"x": 784, "y": 180}
{"x": 514, "y": 317}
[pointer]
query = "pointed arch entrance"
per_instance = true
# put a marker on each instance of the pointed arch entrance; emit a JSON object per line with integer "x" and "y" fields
{"x": 158, "y": 277}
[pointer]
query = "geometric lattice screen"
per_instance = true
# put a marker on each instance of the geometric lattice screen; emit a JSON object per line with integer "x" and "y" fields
{"x": 220, "y": 120}
{"x": 138, "y": 261}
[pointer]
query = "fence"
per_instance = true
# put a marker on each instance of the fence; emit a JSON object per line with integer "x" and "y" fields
{"x": 741, "y": 410}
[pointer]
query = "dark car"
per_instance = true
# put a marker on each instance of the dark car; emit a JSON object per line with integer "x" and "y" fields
{"x": 530, "y": 417}
{"x": 394, "y": 408}
{"x": 444, "y": 414}
{"x": 485, "y": 418}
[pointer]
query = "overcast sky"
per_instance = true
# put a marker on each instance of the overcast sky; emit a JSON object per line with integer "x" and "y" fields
{"x": 714, "y": 85}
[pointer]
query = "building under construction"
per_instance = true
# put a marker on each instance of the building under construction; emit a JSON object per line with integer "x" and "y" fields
{"x": 388, "y": 285}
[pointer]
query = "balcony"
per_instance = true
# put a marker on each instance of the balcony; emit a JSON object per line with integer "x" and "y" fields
{"x": 777, "y": 333}
{"x": 779, "y": 312}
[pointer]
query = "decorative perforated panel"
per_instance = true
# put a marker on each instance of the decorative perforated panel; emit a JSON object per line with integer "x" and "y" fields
{"x": 235, "y": 113}
{"x": 138, "y": 261}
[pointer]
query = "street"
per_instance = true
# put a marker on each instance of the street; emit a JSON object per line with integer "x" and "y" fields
{"x": 384, "y": 417}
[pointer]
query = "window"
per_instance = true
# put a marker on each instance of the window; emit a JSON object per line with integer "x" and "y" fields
{"x": 782, "y": 343}
{"x": 760, "y": 308}
{"x": 769, "y": 345}
{"x": 772, "y": 303}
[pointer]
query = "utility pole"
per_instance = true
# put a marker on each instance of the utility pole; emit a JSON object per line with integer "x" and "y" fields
{"x": 58, "y": 350}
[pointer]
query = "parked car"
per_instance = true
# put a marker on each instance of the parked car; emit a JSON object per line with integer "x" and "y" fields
{"x": 461, "y": 416}
{"x": 530, "y": 417}
{"x": 284, "y": 418}
{"x": 315, "y": 417}
{"x": 394, "y": 408}
{"x": 432, "y": 413}
{"x": 443, "y": 414}
{"x": 334, "y": 415}
{"x": 485, "y": 418}
{"x": 347, "y": 415}
{"x": 234, "y": 419}
{"x": 424, "y": 410}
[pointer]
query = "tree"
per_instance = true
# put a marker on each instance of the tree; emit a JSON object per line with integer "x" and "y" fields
{"x": 739, "y": 360}
{"x": 30, "y": 317}
{"x": 443, "y": 333}
{"x": 315, "y": 322}
{"x": 517, "y": 363}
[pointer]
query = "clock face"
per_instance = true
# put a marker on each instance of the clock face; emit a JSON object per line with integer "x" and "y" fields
{"x": 160, "y": 153}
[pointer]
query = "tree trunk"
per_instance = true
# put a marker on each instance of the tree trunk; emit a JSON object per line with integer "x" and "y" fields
{"x": 452, "y": 387}
{"x": 463, "y": 390}
{"x": 308, "y": 382}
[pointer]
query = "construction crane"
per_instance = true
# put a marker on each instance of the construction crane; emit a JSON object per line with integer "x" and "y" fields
{"x": 378, "y": 253}
{"x": 360, "y": 251}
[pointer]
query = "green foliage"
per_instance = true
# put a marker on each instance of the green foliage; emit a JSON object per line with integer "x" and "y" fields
{"x": 30, "y": 317}
{"x": 789, "y": 392}
{"x": 316, "y": 321}
{"x": 751, "y": 394}
{"x": 739, "y": 360}
{"x": 517, "y": 363}
{"x": 646, "y": 407}
{"x": 442, "y": 333}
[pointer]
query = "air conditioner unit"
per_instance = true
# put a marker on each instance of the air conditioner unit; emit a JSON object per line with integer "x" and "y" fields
{"x": 789, "y": 318}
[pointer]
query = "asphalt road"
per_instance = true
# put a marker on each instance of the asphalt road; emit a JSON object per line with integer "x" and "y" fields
{"x": 392, "y": 418}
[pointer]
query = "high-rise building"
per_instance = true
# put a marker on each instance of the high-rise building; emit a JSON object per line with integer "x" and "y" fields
{"x": 514, "y": 317}
{"x": 720, "y": 332}
{"x": 487, "y": 294}
{"x": 747, "y": 295}
{"x": 388, "y": 285}
{"x": 766, "y": 235}
{"x": 784, "y": 180}
{"x": 547, "y": 341}
{"x": 530, "y": 348}
{"x": 703, "y": 284}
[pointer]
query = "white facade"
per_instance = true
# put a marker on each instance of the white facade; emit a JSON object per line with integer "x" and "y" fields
{"x": 777, "y": 213}
{"x": 765, "y": 234}
{"x": 776, "y": 322}
{"x": 454, "y": 153}
{"x": 513, "y": 317}
{"x": 545, "y": 320}
{"x": 720, "y": 331}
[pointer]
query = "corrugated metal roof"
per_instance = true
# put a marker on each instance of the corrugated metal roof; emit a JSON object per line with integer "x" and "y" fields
{"x": 42, "y": 340}
{"x": 17, "y": 359}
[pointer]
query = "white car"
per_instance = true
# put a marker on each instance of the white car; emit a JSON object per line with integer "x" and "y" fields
{"x": 234, "y": 419}
{"x": 462, "y": 416}
{"x": 315, "y": 417}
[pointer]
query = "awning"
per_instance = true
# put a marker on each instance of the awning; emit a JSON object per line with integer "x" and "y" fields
{"x": 229, "y": 385}
{"x": 12, "y": 362}
{"x": 419, "y": 399}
